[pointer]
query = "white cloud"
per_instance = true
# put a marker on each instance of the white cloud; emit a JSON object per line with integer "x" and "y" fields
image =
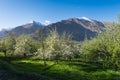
{"x": 5, "y": 28}
{"x": 47, "y": 22}
{"x": 1, "y": 28}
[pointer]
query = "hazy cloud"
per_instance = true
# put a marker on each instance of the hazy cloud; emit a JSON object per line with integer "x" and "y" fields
{"x": 47, "y": 22}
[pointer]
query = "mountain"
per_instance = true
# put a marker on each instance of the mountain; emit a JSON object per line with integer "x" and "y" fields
{"x": 108, "y": 24}
{"x": 2, "y": 33}
{"x": 77, "y": 27}
{"x": 28, "y": 28}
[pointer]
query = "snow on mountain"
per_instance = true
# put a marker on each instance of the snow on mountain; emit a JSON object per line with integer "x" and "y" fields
{"x": 85, "y": 18}
{"x": 34, "y": 22}
{"x": 78, "y": 27}
{"x": 47, "y": 22}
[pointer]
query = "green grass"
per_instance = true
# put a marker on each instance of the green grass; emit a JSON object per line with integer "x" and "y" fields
{"x": 66, "y": 70}
{"x": 75, "y": 70}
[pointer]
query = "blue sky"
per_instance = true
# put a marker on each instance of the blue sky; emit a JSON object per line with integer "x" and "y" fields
{"x": 17, "y": 12}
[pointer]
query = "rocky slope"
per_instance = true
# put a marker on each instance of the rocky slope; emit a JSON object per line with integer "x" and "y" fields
{"x": 77, "y": 27}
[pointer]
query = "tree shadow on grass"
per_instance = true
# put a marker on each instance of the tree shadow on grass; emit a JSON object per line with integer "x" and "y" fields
{"x": 13, "y": 58}
{"x": 84, "y": 70}
{"x": 83, "y": 73}
{"x": 52, "y": 74}
{"x": 20, "y": 71}
{"x": 86, "y": 66}
{"x": 48, "y": 67}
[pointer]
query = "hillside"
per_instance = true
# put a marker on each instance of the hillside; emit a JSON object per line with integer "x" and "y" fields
{"x": 78, "y": 28}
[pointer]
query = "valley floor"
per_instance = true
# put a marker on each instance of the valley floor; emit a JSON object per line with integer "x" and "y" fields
{"x": 33, "y": 69}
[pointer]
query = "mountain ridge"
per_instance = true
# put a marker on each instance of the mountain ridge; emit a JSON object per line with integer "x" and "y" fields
{"x": 75, "y": 26}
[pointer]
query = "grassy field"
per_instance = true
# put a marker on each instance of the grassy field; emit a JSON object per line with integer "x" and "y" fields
{"x": 75, "y": 70}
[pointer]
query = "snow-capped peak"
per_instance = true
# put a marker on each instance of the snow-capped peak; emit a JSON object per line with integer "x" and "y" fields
{"x": 85, "y": 18}
{"x": 38, "y": 23}
{"x": 35, "y": 22}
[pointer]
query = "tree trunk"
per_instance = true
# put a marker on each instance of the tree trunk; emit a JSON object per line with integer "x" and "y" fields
{"x": 56, "y": 61}
{"x": 44, "y": 59}
{"x": 5, "y": 53}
